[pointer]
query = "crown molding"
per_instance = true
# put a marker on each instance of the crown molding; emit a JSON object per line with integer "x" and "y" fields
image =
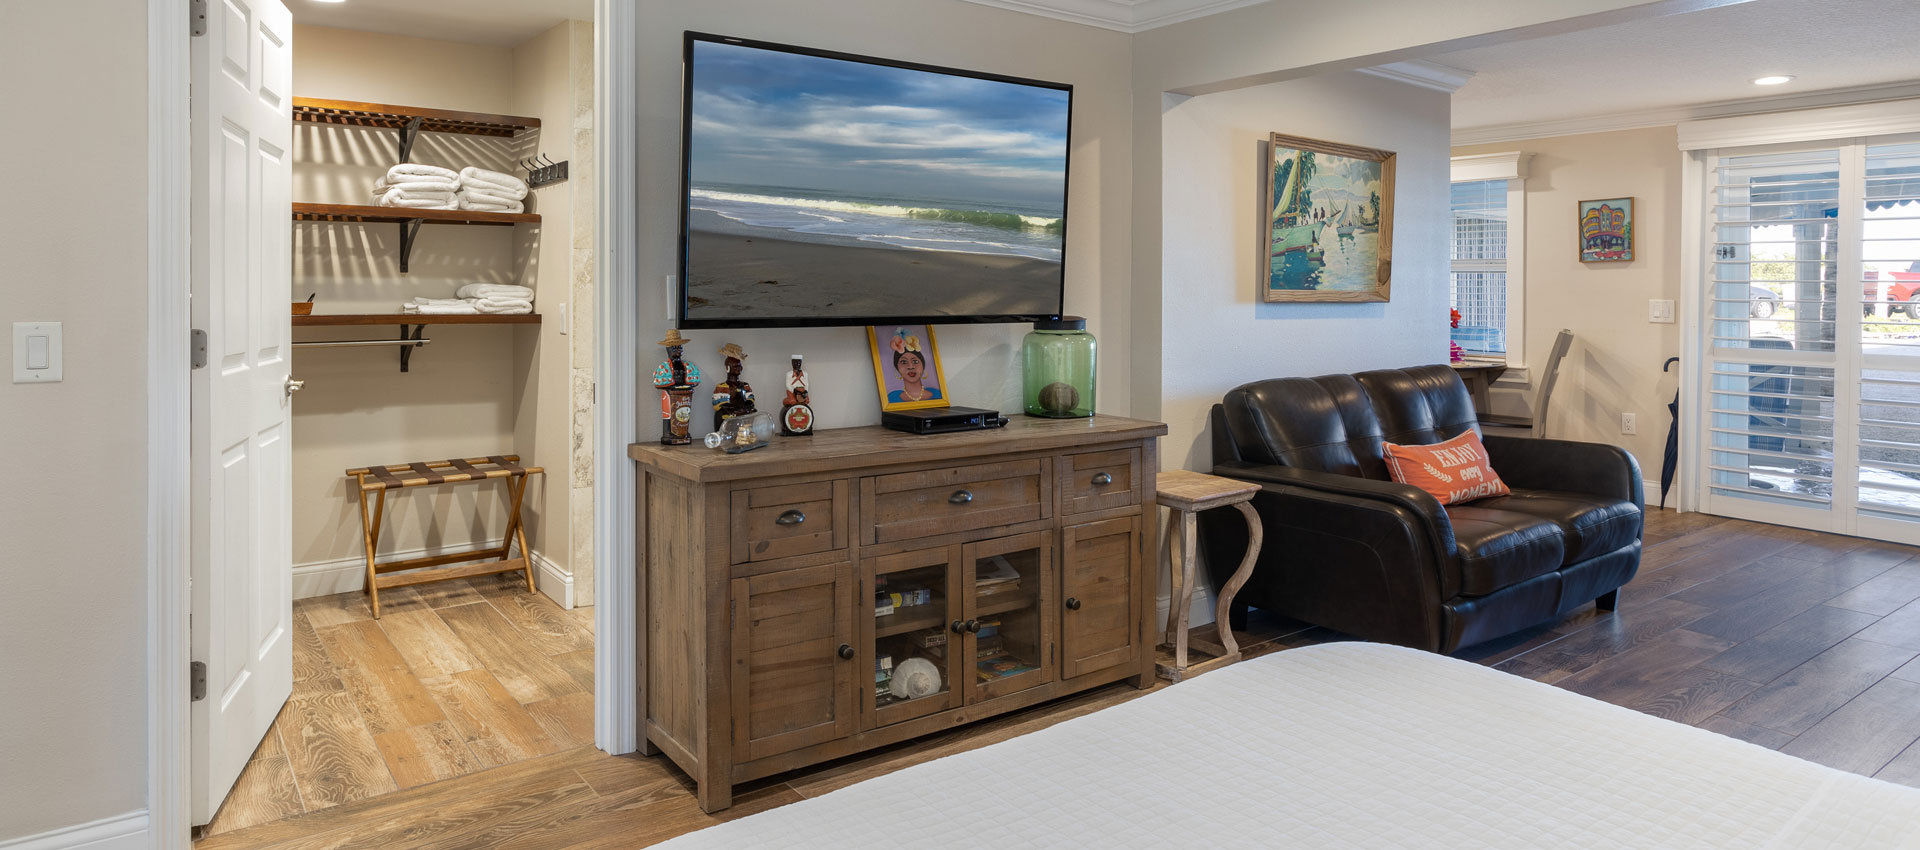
{"x": 1426, "y": 75}
{"x": 1674, "y": 115}
{"x": 1129, "y": 16}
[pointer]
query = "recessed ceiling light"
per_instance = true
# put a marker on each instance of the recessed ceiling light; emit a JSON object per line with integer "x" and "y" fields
{"x": 1769, "y": 80}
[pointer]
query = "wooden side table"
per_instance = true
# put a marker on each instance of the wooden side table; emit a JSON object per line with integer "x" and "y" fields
{"x": 1189, "y": 493}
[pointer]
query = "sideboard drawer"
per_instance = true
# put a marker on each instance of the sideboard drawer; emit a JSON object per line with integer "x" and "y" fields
{"x": 912, "y": 505}
{"x": 796, "y": 519}
{"x": 1096, "y": 481}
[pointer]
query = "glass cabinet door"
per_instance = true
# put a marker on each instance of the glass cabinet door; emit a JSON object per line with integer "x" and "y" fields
{"x": 910, "y": 640}
{"x": 1009, "y": 618}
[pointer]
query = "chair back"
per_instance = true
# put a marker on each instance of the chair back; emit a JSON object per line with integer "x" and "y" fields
{"x": 1550, "y": 377}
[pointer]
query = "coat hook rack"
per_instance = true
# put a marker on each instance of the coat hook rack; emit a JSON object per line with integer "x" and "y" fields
{"x": 542, "y": 170}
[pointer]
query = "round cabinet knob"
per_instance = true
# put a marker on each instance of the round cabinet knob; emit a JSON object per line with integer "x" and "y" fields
{"x": 973, "y": 627}
{"x": 845, "y": 652}
{"x": 1102, "y": 480}
{"x": 960, "y": 497}
{"x": 790, "y": 518}
{"x": 1073, "y": 604}
{"x": 959, "y": 627}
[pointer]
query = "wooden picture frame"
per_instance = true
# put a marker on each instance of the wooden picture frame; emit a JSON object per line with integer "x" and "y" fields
{"x": 907, "y": 389}
{"x": 1606, "y": 230}
{"x": 1337, "y": 247}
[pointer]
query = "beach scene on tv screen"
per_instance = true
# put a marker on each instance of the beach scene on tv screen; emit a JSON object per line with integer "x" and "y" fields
{"x": 826, "y": 188}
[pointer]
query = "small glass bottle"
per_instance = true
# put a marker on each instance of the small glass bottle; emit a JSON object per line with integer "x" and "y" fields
{"x": 1057, "y": 359}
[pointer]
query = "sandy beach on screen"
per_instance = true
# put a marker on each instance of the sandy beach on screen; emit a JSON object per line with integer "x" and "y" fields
{"x": 740, "y": 271}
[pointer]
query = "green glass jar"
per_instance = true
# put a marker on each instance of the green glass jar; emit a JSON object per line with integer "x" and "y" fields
{"x": 1057, "y": 359}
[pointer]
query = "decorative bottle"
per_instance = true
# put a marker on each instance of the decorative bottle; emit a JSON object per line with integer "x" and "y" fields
{"x": 1057, "y": 360}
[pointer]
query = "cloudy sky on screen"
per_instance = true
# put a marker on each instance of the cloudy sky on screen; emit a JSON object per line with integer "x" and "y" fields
{"x": 772, "y": 119}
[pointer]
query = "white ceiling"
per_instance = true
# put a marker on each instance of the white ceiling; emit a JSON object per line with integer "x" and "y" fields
{"x": 1122, "y": 15}
{"x": 1704, "y": 57}
{"x": 502, "y": 23}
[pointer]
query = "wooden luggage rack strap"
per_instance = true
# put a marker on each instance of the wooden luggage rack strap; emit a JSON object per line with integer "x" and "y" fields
{"x": 377, "y": 480}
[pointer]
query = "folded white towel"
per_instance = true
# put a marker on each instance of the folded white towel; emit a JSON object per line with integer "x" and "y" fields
{"x": 467, "y": 201}
{"x": 463, "y": 308}
{"x": 507, "y": 291}
{"x": 502, "y": 306}
{"x": 439, "y": 302}
{"x": 486, "y": 196}
{"x": 423, "y": 187}
{"x": 493, "y": 181}
{"x": 396, "y": 200}
{"x": 415, "y": 171}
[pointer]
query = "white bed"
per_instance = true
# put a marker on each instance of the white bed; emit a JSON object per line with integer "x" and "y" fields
{"x": 1351, "y": 746}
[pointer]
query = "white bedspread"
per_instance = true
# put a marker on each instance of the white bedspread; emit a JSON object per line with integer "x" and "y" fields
{"x": 1351, "y": 746}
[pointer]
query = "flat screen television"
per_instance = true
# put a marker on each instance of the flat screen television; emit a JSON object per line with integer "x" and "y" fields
{"x": 823, "y": 188}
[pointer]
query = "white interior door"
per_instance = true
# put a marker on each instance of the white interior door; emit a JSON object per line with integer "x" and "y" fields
{"x": 242, "y": 230}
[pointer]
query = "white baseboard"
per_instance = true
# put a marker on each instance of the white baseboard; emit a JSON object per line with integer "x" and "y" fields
{"x": 348, "y": 575}
{"x": 1199, "y": 612}
{"x": 123, "y": 832}
{"x": 553, "y": 580}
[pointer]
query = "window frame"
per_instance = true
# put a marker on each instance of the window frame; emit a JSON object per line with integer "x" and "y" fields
{"x": 1510, "y": 166}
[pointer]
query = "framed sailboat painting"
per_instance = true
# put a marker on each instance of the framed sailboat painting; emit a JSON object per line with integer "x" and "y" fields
{"x": 1327, "y": 231}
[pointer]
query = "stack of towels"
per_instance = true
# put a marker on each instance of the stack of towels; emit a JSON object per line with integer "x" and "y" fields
{"x": 430, "y": 187}
{"x": 416, "y": 186}
{"x": 490, "y": 191}
{"x": 494, "y": 298}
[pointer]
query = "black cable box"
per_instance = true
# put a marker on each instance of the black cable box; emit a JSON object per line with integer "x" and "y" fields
{"x": 942, "y": 420}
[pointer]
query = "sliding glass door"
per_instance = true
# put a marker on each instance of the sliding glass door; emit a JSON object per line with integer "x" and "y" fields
{"x": 1810, "y": 404}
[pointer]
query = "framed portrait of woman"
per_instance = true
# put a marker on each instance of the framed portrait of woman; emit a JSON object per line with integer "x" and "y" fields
{"x": 906, "y": 365}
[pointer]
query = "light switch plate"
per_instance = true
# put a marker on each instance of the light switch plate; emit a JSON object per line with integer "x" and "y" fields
{"x": 1660, "y": 310}
{"x": 36, "y": 352}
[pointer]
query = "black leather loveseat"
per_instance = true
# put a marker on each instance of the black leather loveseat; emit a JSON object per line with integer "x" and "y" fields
{"x": 1349, "y": 549}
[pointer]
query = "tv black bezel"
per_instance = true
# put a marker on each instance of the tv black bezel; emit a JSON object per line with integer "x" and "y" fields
{"x": 686, "y": 193}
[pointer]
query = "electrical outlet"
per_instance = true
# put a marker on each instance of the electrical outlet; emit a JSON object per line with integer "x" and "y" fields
{"x": 1628, "y": 425}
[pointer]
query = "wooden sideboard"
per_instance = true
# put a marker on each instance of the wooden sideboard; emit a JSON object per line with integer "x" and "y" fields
{"x": 783, "y": 589}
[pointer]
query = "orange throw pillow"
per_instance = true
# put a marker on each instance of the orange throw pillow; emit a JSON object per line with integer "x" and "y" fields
{"x": 1454, "y": 471}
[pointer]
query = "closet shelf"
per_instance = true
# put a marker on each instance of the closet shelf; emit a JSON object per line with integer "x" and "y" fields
{"x": 313, "y": 110}
{"x": 346, "y": 319}
{"x": 403, "y": 215}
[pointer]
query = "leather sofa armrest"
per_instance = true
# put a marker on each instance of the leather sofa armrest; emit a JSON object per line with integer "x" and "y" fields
{"x": 1594, "y": 469}
{"x": 1415, "y": 502}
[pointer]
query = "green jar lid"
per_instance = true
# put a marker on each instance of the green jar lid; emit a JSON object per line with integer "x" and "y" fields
{"x": 1064, "y": 323}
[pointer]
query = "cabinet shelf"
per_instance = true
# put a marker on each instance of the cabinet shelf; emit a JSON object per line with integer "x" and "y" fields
{"x": 899, "y": 624}
{"x": 313, "y": 110}
{"x": 992, "y": 605}
{"x": 356, "y": 319}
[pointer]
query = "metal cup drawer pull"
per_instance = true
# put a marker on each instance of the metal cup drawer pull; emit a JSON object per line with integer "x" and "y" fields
{"x": 960, "y": 497}
{"x": 1102, "y": 480}
{"x": 790, "y": 518}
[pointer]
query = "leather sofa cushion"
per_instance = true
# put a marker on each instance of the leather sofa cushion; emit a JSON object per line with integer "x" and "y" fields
{"x": 1589, "y": 525}
{"x": 1420, "y": 405}
{"x": 1324, "y": 424}
{"x": 1500, "y": 548}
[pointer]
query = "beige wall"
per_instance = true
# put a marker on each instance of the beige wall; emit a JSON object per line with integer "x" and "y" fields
{"x": 982, "y": 361}
{"x": 1219, "y": 333}
{"x": 73, "y": 617}
{"x": 476, "y": 390}
{"x": 553, "y": 81}
{"x": 1614, "y": 365}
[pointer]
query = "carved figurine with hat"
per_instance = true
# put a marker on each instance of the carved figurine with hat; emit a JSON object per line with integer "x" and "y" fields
{"x": 732, "y": 397}
{"x": 675, "y": 378}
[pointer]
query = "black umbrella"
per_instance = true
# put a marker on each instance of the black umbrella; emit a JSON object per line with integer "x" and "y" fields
{"x": 1672, "y": 461}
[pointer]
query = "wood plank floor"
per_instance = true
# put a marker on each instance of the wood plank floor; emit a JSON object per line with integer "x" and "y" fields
{"x": 452, "y": 679}
{"x": 1802, "y": 642}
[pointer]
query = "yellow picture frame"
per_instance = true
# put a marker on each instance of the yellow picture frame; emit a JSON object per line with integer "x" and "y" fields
{"x": 898, "y": 392}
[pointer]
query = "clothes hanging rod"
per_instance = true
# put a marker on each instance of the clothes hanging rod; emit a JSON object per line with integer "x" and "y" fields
{"x": 351, "y": 343}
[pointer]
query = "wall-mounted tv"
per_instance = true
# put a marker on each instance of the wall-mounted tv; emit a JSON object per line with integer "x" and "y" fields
{"x": 824, "y": 188}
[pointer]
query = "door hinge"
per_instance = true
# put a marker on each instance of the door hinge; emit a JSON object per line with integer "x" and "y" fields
{"x": 197, "y": 681}
{"x": 198, "y": 347}
{"x": 197, "y": 16}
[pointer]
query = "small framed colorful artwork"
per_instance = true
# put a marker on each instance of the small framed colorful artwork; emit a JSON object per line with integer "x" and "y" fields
{"x": 1606, "y": 231}
{"x": 906, "y": 365}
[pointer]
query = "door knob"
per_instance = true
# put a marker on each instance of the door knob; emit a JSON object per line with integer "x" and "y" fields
{"x": 294, "y": 386}
{"x": 845, "y": 651}
{"x": 1073, "y": 604}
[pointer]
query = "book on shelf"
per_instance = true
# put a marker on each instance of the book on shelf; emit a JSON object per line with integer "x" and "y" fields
{"x": 994, "y": 570}
{"x": 1001, "y": 666}
{"x": 929, "y": 639}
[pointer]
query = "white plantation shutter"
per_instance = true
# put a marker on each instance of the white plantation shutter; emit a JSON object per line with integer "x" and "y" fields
{"x": 1478, "y": 283}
